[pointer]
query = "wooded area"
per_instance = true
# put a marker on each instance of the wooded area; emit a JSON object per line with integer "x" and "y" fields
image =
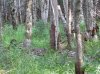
{"x": 49, "y": 37}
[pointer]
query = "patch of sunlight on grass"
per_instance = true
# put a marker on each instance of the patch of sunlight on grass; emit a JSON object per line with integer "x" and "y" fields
{"x": 98, "y": 69}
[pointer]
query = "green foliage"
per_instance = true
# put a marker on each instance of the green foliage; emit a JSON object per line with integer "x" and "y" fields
{"x": 92, "y": 57}
{"x": 16, "y": 60}
{"x": 40, "y": 29}
{"x": 9, "y": 34}
{"x": 40, "y": 37}
{"x": 82, "y": 26}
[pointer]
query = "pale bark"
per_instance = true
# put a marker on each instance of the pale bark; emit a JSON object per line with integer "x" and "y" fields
{"x": 22, "y": 10}
{"x": 95, "y": 7}
{"x": 98, "y": 9}
{"x": 28, "y": 33}
{"x": 68, "y": 15}
{"x": 1, "y": 9}
{"x": 44, "y": 10}
{"x": 16, "y": 6}
{"x": 19, "y": 9}
{"x": 54, "y": 24}
{"x": 88, "y": 13}
{"x": 34, "y": 11}
{"x": 4, "y": 10}
{"x": 61, "y": 16}
{"x": 79, "y": 52}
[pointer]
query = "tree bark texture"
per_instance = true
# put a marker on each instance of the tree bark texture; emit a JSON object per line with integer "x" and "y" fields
{"x": 54, "y": 32}
{"x": 79, "y": 52}
{"x": 28, "y": 33}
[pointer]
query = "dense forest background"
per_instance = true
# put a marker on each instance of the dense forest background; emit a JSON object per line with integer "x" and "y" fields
{"x": 49, "y": 37}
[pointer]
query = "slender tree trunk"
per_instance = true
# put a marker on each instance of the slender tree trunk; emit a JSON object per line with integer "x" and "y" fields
{"x": 34, "y": 11}
{"x": 54, "y": 32}
{"x": 38, "y": 9}
{"x": 19, "y": 9}
{"x": 1, "y": 8}
{"x": 61, "y": 16}
{"x": 88, "y": 13}
{"x": 44, "y": 10}
{"x": 4, "y": 10}
{"x": 17, "y": 16}
{"x": 79, "y": 53}
{"x": 23, "y": 10}
{"x": 9, "y": 19}
{"x": 28, "y": 33}
{"x": 13, "y": 11}
{"x": 68, "y": 15}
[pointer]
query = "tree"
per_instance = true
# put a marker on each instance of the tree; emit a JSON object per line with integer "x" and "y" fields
{"x": 79, "y": 54}
{"x": 19, "y": 9}
{"x": 44, "y": 10}
{"x": 1, "y": 19}
{"x": 98, "y": 8}
{"x": 89, "y": 14}
{"x": 28, "y": 23}
{"x": 61, "y": 16}
{"x": 34, "y": 11}
{"x": 68, "y": 15}
{"x": 54, "y": 31}
{"x": 23, "y": 10}
{"x": 13, "y": 12}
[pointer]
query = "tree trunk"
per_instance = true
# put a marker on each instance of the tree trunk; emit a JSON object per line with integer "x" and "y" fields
{"x": 1, "y": 9}
{"x": 13, "y": 11}
{"x": 98, "y": 9}
{"x": 44, "y": 10}
{"x": 28, "y": 33}
{"x": 88, "y": 13}
{"x": 68, "y": 15}
{"x": 34, "y": 11}
{"x": 22, "y": 11}
{"x": 61, "y": 16}
{"x": 79, "y": 53}
{"x": 19, "y": 9}
{"x": 54, "y": 32}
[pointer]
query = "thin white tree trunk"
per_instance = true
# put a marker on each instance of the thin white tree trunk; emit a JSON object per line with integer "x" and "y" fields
{"x": 62, "y": 16}
{"x": 68, "y": 15}
{"x": 34, "y": 11}
{"x": 1, "y": 8}
{"x": 44, "y": 10}
{"x": 28, "y": 33}
{"x": 19, "y": 11}
{"x": 16, "y": 6}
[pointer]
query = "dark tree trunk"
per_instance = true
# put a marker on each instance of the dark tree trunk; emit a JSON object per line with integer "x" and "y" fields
{"x": 52, "y": 36}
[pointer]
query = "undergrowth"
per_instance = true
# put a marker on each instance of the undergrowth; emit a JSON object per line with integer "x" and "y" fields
{"x": 15, "y": 60}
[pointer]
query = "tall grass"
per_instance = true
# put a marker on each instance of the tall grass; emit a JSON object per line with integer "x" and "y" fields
{"x": 16, "y": 61}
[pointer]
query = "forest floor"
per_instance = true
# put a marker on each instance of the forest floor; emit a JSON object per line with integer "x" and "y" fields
{"x": 40, "y": 59}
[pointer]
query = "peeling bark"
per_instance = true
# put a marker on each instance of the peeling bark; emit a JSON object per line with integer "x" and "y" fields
{"x": 54, "y": 21}
{"x": 28, "y": 33}
{"x": 79, "y": 52}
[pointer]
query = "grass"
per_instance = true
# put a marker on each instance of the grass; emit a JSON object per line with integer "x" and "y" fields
{"x": 17, "y": 61}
